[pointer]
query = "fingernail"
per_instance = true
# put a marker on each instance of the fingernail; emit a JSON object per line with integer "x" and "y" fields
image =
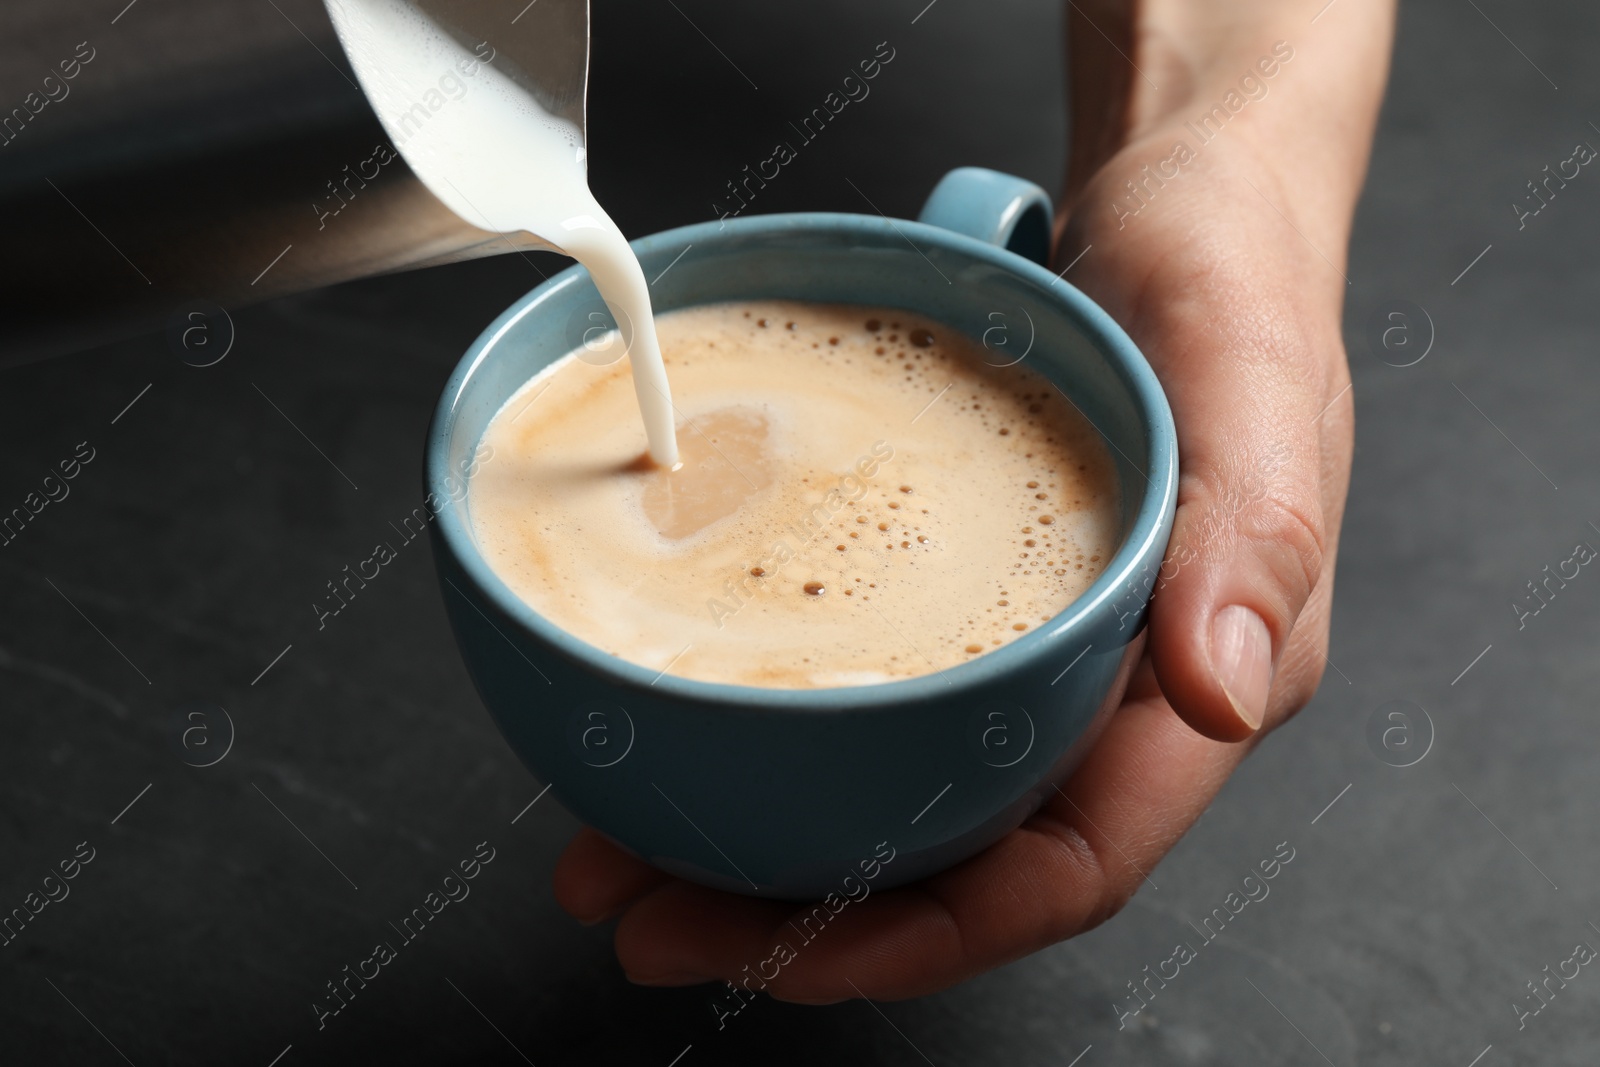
{"x": 1241, "y": 656}
{"x": 671, "y": 978}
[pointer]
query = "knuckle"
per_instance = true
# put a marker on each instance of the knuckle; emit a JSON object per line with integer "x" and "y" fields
{"x": 1289, "y": 531}
{"x": 1074, "y": 853}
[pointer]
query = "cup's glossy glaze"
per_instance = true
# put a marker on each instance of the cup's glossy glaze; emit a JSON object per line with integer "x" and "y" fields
{"x": 786, "y": 793}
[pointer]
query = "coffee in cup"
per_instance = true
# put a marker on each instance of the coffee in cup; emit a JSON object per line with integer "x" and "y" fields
{"x": 864, "y": 495}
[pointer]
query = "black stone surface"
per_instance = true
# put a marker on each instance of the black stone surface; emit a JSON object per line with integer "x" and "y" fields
{"x": 180, "y": 571}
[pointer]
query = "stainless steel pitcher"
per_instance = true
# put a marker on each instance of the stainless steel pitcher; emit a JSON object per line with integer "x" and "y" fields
{"x": 163, "y": 155}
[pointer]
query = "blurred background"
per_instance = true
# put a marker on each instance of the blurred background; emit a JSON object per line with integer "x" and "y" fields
{"x": 1438, "y": 794}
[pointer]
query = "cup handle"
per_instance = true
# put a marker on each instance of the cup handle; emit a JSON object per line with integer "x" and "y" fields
{"x": 997, "y": 208}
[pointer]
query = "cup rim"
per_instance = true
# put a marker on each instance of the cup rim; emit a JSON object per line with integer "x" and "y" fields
{"x": 454, "y": 535}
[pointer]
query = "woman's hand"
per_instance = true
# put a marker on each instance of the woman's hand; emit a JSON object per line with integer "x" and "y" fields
{"x": 1229, "y": 278}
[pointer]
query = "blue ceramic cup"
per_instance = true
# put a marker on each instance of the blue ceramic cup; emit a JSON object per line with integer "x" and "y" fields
{"x": 798, "y": 794}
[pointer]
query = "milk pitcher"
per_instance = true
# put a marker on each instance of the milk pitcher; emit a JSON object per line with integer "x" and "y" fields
{"x": 188, "y": 155}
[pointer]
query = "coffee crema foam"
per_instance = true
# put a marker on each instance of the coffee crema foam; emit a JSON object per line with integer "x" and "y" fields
{"x": 862, "y": 498}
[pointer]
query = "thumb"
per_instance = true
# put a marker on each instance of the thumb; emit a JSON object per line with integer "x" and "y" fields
{"x": 1241, "y": 323}
{"x": 1249, "y": 539}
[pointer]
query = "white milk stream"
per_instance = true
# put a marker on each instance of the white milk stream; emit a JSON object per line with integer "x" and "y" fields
{"x": 501, "y": 162}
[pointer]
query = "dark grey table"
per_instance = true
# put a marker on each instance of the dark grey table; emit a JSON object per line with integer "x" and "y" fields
{"x": 180, "y": 571}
